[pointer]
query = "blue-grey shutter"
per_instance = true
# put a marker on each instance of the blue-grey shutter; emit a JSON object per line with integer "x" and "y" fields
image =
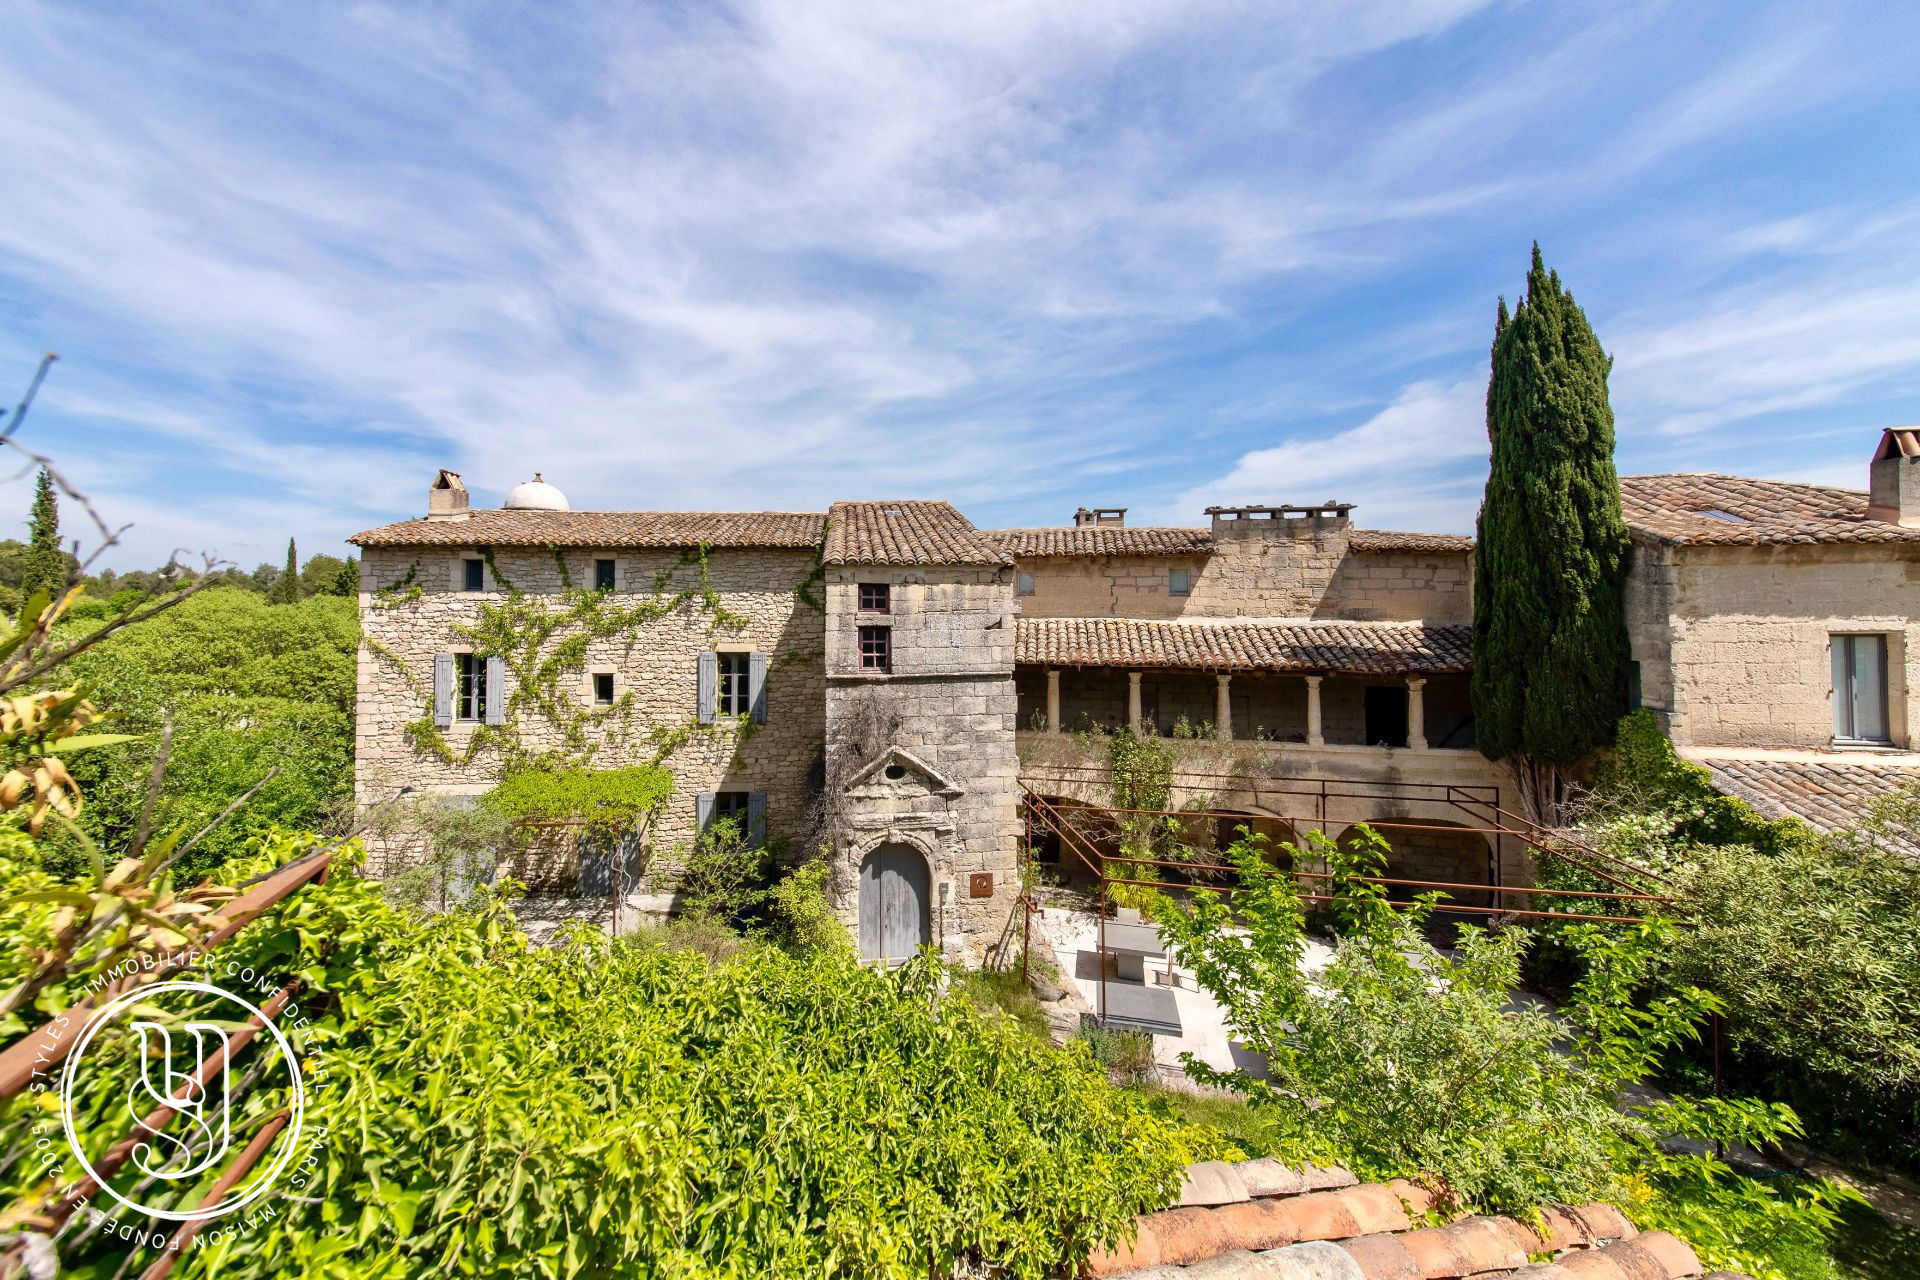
{"x": 702, "y": 810}
{"x": 442, "y": 690}
{"x": 496, "y": 710}
{"x": 757, "y": 818}
{"x": 757, "y": 686}
{"x": 709, "y": 685}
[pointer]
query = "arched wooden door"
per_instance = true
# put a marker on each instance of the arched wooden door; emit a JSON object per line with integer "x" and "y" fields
{"x": 894, "y": 889}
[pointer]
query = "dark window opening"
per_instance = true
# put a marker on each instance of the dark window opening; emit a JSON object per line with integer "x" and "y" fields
{"x": 876, "y": 648}
{"x": 733, "y": 685}
{"x": 731, "y": 806}
{"x": 603, "y": 575}
{"x": 1634, "y": 697}
{"x": 1386, "y": 715}
{"x": 470, "y": 692}
{"x": 876, "y": 597}
{"x": 1023, "y": 584}
{"x": 603, "y": 688}
{"x": 476, "y": 579}
{"x": 895, "y": 772}
{"x": 1860, "y": 689}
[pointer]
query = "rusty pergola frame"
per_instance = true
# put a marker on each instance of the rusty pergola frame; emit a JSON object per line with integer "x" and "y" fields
{"x": 1479, "y": 802}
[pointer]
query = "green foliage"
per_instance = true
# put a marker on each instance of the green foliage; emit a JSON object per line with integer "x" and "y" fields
{"x": 1007, "y": 991}
{"x": 47, "y": 564}
{"x": 610, "y": 802}
{"x": 1549, "y": 641}
{"x": 725, "y": 876}
{"x": 286, "y": 585}
{"x": 627, "y": 1108}
{"x": 1405, "y": 1061}
{"x": 803, "y": 919}
{"x": 1124, "y": 1055}
{"x": 1641, "y": 774}
{"x": 452, "y": 849}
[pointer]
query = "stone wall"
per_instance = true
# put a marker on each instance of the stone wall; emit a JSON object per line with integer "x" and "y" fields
{"x": 923, "y": 756}
{"x": 655, "y": 673}
{"x": 1733, "y": 643}
{"x": 1259, "y": 577}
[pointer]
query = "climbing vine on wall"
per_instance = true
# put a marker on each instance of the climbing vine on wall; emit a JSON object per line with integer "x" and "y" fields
{"x": 543, "y": 641}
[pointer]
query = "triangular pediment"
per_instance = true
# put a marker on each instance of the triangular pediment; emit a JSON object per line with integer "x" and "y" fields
{"x": 898, "y": 765}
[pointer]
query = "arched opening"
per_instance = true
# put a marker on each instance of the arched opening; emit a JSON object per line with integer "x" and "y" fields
{"x": 895, "y": 894}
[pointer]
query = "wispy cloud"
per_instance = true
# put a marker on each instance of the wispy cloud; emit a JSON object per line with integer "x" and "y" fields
{"x": 768, "y": 255}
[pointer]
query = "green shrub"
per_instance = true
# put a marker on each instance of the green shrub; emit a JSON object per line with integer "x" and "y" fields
{"x": 725, "y": 876}
{"x": 1007, "y": 991}
{"x": 1126, "y": 1055}
{"x": 803, "y": 920}
{"x": 623, "y": 1108}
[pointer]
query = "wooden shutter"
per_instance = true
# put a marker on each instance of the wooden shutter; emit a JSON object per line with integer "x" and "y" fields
{"x": 757, "y": 686}
{"x": 757, "y": 818}
{"x": 442, "y": 690}
{"x": 709, "y": 686}
{"x": 702, "y": 810}
{"x": 496, "y": 708}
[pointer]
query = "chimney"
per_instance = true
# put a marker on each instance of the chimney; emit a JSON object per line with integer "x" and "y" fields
{"x": 1114, "y": 516}
{"x": 1312, "y": 521}
{"x": 446, "y": 497}
{"x": 1893, "y": 485}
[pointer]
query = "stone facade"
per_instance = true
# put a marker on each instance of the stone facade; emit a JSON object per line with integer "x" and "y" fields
{"x": 922, "y": 755}
{"x": 1733, "y": 643}
{"x": 654, "y": 670}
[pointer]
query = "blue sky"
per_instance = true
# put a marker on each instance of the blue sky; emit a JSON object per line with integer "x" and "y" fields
{"x": 1023, "y": 256}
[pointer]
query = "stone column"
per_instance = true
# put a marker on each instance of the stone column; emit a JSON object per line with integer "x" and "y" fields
{"x": 1053, "y": 702}
{"x": 1314, "y": 737}
{"x": 1417, "y": 713}
{"x": 1133, "y": 701}
{"x": 1222, "y": 709}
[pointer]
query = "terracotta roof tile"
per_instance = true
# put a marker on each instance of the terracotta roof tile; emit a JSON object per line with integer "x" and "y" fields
{"x": 1369, "y": 1232}
{"x": 487, "y": 527}
{"x": 1375, "y": 648}
{"x": 1102, "y": 540}
{"x": 1827, "y": 793}
{"x": 895, "y": 533}
{"x": 1717, "y": 510}
{"x": 1111, "y": 540}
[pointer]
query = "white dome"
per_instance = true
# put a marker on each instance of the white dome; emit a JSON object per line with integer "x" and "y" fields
{"x": 535, "y": 495}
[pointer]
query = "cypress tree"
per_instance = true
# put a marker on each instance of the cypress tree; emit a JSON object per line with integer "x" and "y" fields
{"x": 47, "y": 564}
{"x": 286, "y": 587}
{"x": 1549, "y": 640}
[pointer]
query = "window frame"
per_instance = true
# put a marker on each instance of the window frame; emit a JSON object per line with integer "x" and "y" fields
{"x": 469, "y": 688}
{"x": 1845, "y": 680}
{"x": 593, "y": 688}
{"x": 473, "y": 574}
{"x": 1023, "y": 584}
{"x": 873, "y": 650}
{"x": 872, "y": 591}
{"x": 731, "y": 686}
{"x": 1184, "y": 577}
{"x": 610, "y": 578}
{"x": 732, "y": 804}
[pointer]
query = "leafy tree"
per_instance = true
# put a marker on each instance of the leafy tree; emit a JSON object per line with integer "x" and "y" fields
{"x": 1549, "y": 641}
{"x": 320, "y": 575}
{"x": 262, "y": 578}
{"x": 286, "y": 587}
{"x": 47, "y": 563}
{"x": 346, "y": 582}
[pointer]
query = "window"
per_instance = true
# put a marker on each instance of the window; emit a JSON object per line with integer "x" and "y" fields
{"x": 1179, "y": 581}
{"x": 735, "y": 673}
{"x": 1023, "y": 584}
{"x": 603, "y": 688}
{"x": 470, "y": 689}
{"x": 1860, "y": 689}
{"x": 876, "y": 597}
{"x": 603, "y": 575}
{"x": 732, "y": 806}
{"x": 476, "y": 575}
{"x": 876, "y": 648}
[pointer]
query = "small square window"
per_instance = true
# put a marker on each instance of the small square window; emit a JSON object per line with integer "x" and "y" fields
{"x": 876, "y": 597}
{"x": 603, "y": 575}
{"x": 1023, "y": 584}
{"x": 1179, "y": 581}
{"x": 876, "y": 648}
{"x": 603, "y": 688}
{"x": 731, "y": 806}
{"x": 470, "y": 691}
{"x": 734, "y": 669}
{"x": 476, "y": 575}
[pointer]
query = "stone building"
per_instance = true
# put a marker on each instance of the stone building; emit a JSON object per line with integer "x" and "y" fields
{"x": 887, "y": 681}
